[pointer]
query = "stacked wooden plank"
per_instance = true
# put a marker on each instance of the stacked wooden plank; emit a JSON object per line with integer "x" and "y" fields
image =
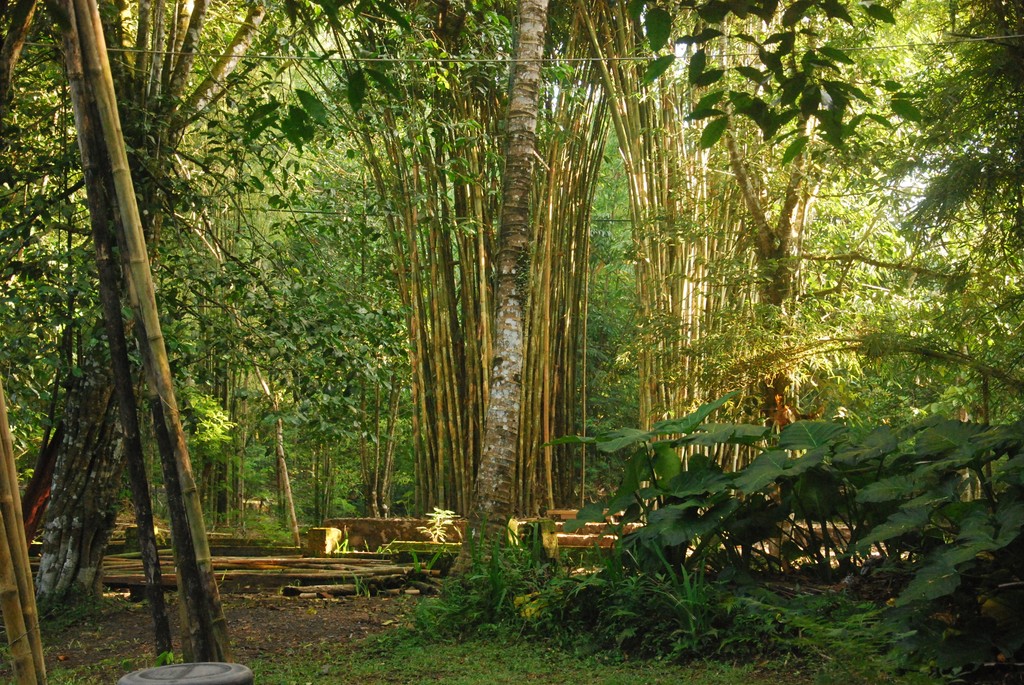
{"x": 368, "y": 573}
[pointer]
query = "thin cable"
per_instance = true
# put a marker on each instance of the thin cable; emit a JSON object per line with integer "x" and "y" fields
{"x": 271, "y": 57}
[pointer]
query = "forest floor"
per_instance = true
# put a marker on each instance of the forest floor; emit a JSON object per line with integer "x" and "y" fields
{"x": 102, "y": 642}
{"x": 369, "y": 640}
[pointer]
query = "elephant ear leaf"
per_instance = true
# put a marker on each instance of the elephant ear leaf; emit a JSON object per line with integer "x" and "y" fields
{"x": 667, "y": 464}
{"x": 613, "y": 441}
{"x": 690, "y": 422}
{"x": 762, "y": 471}
{"x": 807, "y": 435}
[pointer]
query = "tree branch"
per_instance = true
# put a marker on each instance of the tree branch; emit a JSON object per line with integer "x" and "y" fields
{"x": 187, "y": 52}
{"x": 214, "y": 85}
{"x": 765, "y": 234}
{"x": 880, "y": 263}
{"x": 10, "y": 52}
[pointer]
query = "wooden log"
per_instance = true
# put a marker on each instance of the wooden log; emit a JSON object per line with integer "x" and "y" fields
{"x": 323, "y": 542}
{"x": 339, "y": 590}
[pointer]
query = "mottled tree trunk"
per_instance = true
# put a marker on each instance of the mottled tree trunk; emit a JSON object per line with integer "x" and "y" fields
{"x": 87, "y": 476}
{"x": 495, "y": 491}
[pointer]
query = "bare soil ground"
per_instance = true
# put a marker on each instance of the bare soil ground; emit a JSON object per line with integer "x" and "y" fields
{"x": 116, "y": 637}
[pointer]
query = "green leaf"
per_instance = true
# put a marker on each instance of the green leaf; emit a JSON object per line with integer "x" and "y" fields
{"x": 947, "y": 437}
{"x": 795, "y": 12}
{"x": 727, "y": 433}
{"x": 805, "y": 435}
{"x": 311, "y": 103}
{"x": 708, "y": 77}
{"x": 658, "y": 24}
{"x": 794, "y": 149}
{"x": 890, "y": 489}
{"x": 690, "y": 422}
{"x": 702, "y": 37}
{"x": 356, "y": 91}
{"x": 698, "y": 63}
{"x": 391, "y": 12}
{"x": 667, "y": 464}
{"x": 905, "y": 109}
{"x": 384, "y": 82}
{"x": 704, "y": 114}
{"x": 713, "y": 11}
{"x": 709, "y": 100}
{"x": 1010, "y": 518}
{"x": 817, "y": 494}
{"x": 763, "y": 471}
{"x": 875, "y": 445}
{"x": 930, "y": 582}
{"x": 572, "y": 440}
{"x": 765, "y": 10}
{"x": 593, "y": 512}
{"x": 706, "y": 105}
{"x": 699, "y": 481}
{"x": 836, "y": 10}
{"x": 297, "y": 127}
{"x": 751, "y": 73}
{"x": 876, "y": 11}
{"x": 906, "y": 520}
{"x": 836, "y": 54}
{"x": 713, "y": 132}
{"x": 658, "y": 67}
{"x": 613, "y": 441}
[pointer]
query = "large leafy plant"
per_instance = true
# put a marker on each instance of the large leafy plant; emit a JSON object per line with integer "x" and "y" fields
{"x": 939, "y": 502}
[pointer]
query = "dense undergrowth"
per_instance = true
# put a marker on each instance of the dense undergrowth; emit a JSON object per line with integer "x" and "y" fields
{"x": 895, "y": 550}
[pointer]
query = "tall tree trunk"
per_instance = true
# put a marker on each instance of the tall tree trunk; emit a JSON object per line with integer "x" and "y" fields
{"x": 208, "y": 630}
{"x": 102, "y": 206}
{"x": 548, "y": 475}
{"x": 494, "y": 494}
{"x": 87, "y": 476}
{"x": 286, "y": 481}
{"x": 283, "y": 480}
{"x": 37, "y": 492}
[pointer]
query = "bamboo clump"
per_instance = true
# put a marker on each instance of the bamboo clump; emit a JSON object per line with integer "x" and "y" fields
{"x": 208, "y": 629}
{"x": 17, "y": 597}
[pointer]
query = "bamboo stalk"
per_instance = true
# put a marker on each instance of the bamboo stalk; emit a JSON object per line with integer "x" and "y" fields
{"x": 144, "y": 300}
{"x": 17, "y": 596}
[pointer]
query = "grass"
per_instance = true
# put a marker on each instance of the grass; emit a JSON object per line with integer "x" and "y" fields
{"x": 398, "y": 661}
{"x": 403, "y": 657}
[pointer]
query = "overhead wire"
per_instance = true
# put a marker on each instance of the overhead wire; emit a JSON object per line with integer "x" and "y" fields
{"x": 959, "y": 40}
